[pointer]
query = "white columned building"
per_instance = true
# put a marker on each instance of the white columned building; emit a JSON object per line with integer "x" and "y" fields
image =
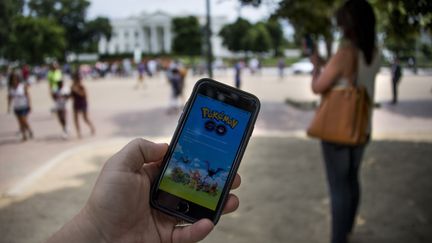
{"x": 152, "y": 34}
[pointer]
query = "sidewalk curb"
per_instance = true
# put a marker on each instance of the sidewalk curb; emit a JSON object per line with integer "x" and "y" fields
{"x": 376, "y": 136}
{"x": 21, "y": 186}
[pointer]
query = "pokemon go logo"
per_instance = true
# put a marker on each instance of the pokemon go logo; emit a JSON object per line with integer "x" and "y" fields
{"x": 217, "y": 116}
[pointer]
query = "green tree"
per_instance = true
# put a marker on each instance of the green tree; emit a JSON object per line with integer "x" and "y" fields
{"x": 233, "y": 35}
{"x": 187, "y": 38}
{"x": 35, "y": 39}
{"x": 242, "y": 36}
{"x": 257, "y": 39}
{"x": 94, "y": 30}
{"x": 310, "y": 17}
{"x": 71, "y": 15}
{"x": 276, "y": 33}
{"x": 9, "y": 9}
{"x": 401, "y": 21}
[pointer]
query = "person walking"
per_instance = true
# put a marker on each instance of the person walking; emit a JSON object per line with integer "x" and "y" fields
{"x": 19, "y": 98}
{"x": 356, "y": 59}
{"x": 396, "y": 75}
{"x": 25, "y": 73}
{"x": 60, "y": 97}
{"x": 141, "y": 68}
{"x": 79, "y": 97}
{"x": 281, "y": 67}
{"x": 237, "y": 74}
{"x": 54, "y": 76}
{"x": 176, "y": 81}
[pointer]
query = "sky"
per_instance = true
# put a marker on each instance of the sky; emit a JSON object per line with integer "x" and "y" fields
{"x": 228, "y": 8}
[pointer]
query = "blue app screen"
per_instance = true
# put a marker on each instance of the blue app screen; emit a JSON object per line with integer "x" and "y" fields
{"x": 205, "y": 151}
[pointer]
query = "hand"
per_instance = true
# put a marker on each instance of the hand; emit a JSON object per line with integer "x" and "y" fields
{"x": 316, "y": 60}
{"x": 118, "y": 209}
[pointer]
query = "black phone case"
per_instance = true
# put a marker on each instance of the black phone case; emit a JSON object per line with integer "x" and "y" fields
{"x": 235, "y": 165}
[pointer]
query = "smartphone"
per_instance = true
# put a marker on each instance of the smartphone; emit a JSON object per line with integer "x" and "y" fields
{"x": 205, "y": 152}
{"x": 309, "y": 45}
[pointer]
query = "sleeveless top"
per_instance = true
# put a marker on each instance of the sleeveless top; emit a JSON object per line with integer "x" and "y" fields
{"x": 79, "y": 101}
{"x": 61, "y": 97}
{"x": 19, "y": 98}
{"x": 366, "y": 75}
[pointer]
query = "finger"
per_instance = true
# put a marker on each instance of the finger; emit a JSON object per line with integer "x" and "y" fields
{"x": 136, "y": 153}
{"x": 193, "y": 233}
{"x": 232, "y": 204}
{"x": 236, "y": 182}
{"x": 152, "y": 170}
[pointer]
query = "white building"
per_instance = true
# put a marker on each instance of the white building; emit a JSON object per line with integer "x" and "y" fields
{"x": 152, "y": 33}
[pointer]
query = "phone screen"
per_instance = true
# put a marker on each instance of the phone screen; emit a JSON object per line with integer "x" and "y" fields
{"x": 205, "y": 151}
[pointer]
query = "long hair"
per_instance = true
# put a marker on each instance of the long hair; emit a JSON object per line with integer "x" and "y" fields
{"x": 357, "y": 20}
{"x": 12, "y": 77}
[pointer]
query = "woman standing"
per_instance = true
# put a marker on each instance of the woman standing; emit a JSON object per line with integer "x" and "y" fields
{"x": 19, "y": 98}
{"x": 79, "y": 97}
{"x": 357, "y": 60}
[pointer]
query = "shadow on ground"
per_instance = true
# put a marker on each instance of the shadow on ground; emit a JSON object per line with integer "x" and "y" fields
{"x": 283, "y": 117}
{"x": 283, "y": 197}
{"x": 152, "y": 122}
{"x": 410, "y": 108}
{"x": 34, "y": 219}
{"x": 157, "y": 122}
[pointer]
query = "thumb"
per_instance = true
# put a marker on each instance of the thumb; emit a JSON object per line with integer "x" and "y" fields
{"x": 135, "y": 154}
{"x": 192, "y": 233}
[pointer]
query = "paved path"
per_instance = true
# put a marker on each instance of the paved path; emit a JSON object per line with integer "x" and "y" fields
{"x": 283, "y": 194}
{"x": 28, "y": 170}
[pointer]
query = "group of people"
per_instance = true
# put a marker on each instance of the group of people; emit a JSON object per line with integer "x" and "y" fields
{"x": 20, "y": 101}
{"x": 149, "y": 67}
{"x": 61, "y": 94}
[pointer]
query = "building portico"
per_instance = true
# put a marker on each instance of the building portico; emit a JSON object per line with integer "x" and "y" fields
{"x": 151, "y": 34}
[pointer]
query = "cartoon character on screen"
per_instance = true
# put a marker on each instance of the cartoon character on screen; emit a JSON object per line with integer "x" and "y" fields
{"x": 195, "y": 179}
{"x": 185, "y": 159}
{"x": 179, "y": 176}
{"x": 212, "y": 172}
{"x": 213, "y": 189}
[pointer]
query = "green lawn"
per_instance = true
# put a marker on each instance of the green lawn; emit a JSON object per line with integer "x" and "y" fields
{"x": 190, "y": 194}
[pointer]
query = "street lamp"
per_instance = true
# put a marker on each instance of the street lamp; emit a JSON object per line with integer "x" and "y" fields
{"x": 208, "y": 41}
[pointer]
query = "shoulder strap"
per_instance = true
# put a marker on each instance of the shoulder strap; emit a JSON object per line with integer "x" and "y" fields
{"x": 356, "y": 67}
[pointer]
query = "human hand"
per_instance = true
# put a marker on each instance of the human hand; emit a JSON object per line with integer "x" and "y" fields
{"x": 316, "y": 60}
{"x": 118, "y": 209}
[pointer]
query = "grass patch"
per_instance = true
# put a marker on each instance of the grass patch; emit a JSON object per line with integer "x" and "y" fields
{"x": 199, "y": 197}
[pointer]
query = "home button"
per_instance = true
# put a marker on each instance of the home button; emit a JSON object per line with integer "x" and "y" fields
{"x": 183, "y": 207}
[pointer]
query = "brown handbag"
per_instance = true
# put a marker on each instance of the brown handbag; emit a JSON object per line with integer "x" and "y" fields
{"x": 343, "y": 116}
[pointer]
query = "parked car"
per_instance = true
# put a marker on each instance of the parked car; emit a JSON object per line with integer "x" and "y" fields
{"x": 302, "y": 66}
